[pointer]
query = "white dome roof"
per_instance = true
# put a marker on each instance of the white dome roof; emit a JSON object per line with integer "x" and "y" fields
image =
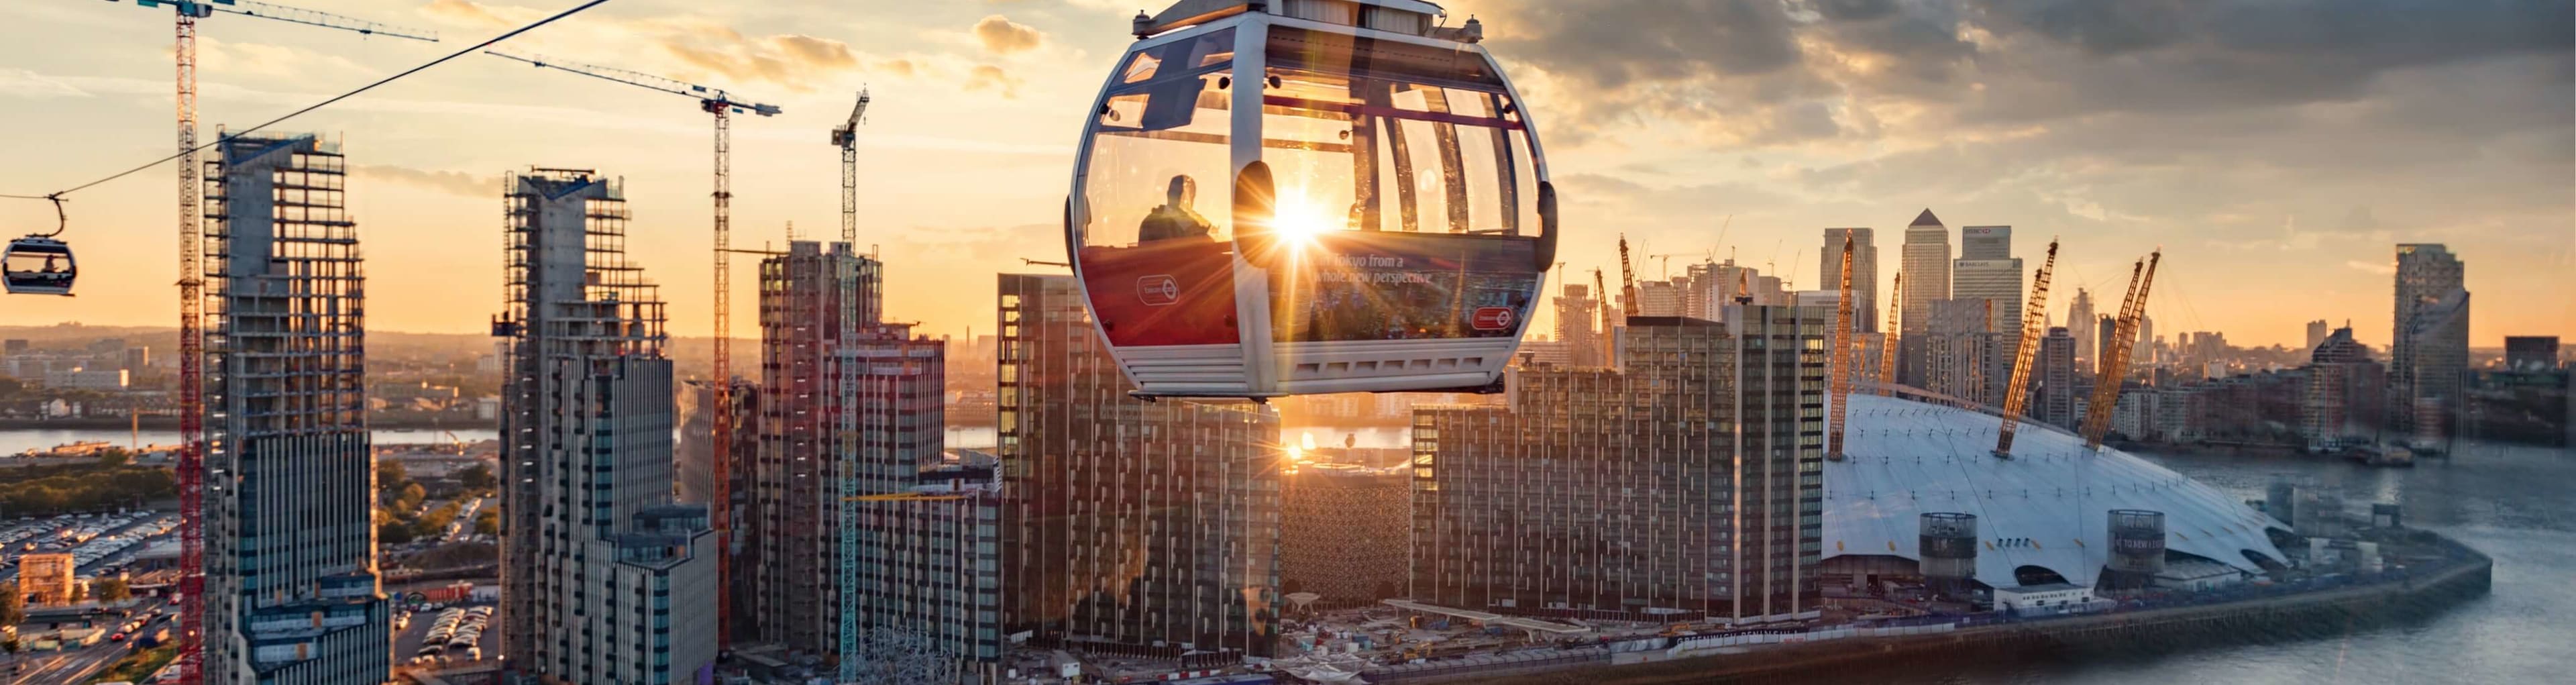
{"x": 1906, "y": 457}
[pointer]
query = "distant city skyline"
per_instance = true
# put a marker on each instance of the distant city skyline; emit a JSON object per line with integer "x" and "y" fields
{"x": 1999, "y": 117}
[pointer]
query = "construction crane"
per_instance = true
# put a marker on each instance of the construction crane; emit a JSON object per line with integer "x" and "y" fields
{"x": 2034, "y": 316}
{"x": 1887, "y": 342}
{"x": 713, "y": 101}
{"x": 1627, "y": 280}
{"x": 2115, "y": 365}
{"x": 1842, "y": 365}
{"x": 847, "y": 137}
{"x": 192, "y": 291}
{"x": 1602, "y": 290}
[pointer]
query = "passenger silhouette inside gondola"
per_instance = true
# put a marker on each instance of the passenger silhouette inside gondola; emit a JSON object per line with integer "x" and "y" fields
{"x": 1175, "y": 219}
{"x": 51, "y": 267}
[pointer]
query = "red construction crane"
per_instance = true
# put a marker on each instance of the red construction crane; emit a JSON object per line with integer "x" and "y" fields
{"x": 2034, "y": 316}
{"x": 192, "y": 291}
{"x": 717, "y": 102}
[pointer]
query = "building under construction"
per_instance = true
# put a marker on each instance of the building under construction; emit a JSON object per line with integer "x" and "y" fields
{"x": 813, "y": 301}
{"x": 605, "y": 579}
{"x": 1683, "y": 484}
{"x": 292, "y": 594}
{"x": 1145, "y": 528}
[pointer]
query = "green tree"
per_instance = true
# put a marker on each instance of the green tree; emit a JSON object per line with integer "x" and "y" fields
{"x": 391, "y": 475}
{"x": 477, "y": 477}
{"x": 394, "y": 533}
{"x": 13, "y": 606}
{"x": 488, "y": 521}
{"x": 110, "y": 590}
{"x": 411, "y": 497}
{"x": 114, "y": 458}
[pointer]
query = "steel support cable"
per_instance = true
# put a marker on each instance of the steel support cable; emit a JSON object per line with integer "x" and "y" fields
{"x": 325, "y": 103}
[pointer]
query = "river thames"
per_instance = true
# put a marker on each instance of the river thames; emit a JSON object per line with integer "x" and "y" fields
{"x": 2514, "y": 503}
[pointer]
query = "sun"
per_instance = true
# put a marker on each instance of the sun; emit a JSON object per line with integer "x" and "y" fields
{"x": 1300, "y": 217}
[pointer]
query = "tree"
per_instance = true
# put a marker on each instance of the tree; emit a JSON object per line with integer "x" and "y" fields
{"x": 391, "y": 475}
{"x": 477, "y": 477}
{"x": 411, "y": 497}
{"x": 394, "y": 533}
{"x": 110, "y": 590}
{"x": 113, "y": 458}
{"x": 488, "y": 521}
{"x": 13, "y": 606}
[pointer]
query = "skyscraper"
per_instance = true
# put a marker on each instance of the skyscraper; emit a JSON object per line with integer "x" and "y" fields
{"x": 2317, "y": 332}
{"x": 813, "y": 302}
{"x": 1151, "y": 527}
{"x": 605, "y": 579}
{"x": 292, "y": 594}
{"x": 1986, "y": 270}
{"x": 1710, "y": 433}
{"x": 919, "y": 535}
{"x": 2080, "y": 323}
{"x": 1865, "y": 305}
{"x": 2429, "y": 350}
{"x": 1926, "y": 263}
{"x": 2057, "y": 381}
{"x": 2341, "y": 404}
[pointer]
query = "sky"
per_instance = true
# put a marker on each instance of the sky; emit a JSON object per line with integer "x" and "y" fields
{"x": 2276, "y": 151}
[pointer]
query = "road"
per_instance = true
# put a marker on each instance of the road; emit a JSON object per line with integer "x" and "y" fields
{"x": 52, "y": 668}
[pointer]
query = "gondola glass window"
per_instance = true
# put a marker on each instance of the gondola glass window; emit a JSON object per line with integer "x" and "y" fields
{"x": 38, "y": 265}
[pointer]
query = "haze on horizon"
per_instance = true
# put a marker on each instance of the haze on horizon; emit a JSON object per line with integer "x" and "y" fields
{"x": 2276, "y": 151}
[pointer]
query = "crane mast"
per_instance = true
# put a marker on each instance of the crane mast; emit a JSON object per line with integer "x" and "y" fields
{"x": 847, "y": 137}
{"x": 717, "y": 102}
{"x": 2033, "y": 315}
{"x": 1887, "y": 341}
{"x": 2115, "y": 364}
{"x": 1627, "y": 282}
{"x": 191, "y": 466}
{"x": 1842, "y": 364}
{"x": 1602, "y": 290}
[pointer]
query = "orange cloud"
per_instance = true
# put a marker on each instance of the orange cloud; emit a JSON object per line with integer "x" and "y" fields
{"x": 989, "y": 77}
{"x": 1001, "y": 36}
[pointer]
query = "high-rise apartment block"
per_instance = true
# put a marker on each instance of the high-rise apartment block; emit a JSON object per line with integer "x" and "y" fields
{"x": 1685, "y": 484}
{"x": 1151, "y": 527}
{"x": 605, "y": 578}
{"x": 2317, "y": 333}
{"x": 292, "y": 593}
{"x": 2342, "y": 400}
{"x": 2057, "y": 380}
{"x": 920, "y": 534}
{"x": 2428, "y": 359}
{"x": 813, "y": 303}
{"x": 1865, "y": 302}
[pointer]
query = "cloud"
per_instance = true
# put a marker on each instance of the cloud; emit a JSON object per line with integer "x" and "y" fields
{"x": 796, "y": 61}
{"x": 21, "y": 83}
{"x": 989, "y": 77}
{"x": 455, "y": 182}
{"x": 1001, "y": 36}
{"x": 468, "y": 12}
{"x": 2380, "y": 268}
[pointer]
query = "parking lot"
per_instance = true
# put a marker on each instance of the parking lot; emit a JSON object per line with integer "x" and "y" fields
{"x": 409, "y": 640}
{"x": 100, "y": 544}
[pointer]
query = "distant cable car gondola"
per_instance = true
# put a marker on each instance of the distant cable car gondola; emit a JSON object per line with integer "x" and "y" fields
{"x": 1379, "y": 216}
{"x": 39, "y": 264}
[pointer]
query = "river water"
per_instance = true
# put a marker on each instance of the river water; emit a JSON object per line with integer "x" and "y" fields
{"x": 13, "y": 442}
{"x": 2514, "y": 503}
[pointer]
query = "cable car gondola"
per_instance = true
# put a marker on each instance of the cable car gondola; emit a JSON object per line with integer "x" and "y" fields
{"x": 1378, "y": 215}
{"x": 39, "y": 264}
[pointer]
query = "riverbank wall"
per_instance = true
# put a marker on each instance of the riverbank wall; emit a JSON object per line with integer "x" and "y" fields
{"x": 2309, "y": 615}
